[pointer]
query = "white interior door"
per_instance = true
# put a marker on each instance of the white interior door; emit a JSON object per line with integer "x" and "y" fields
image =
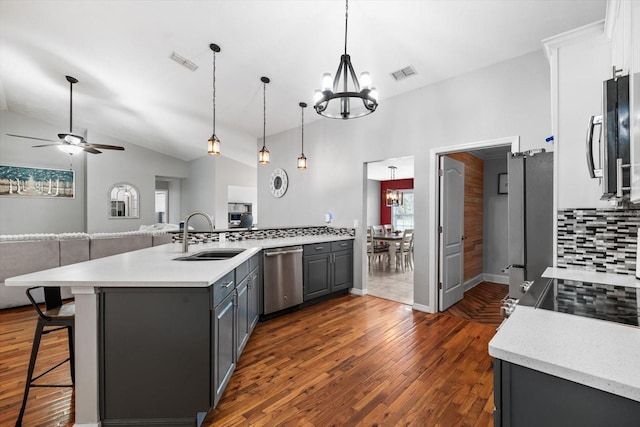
{"x": 451, "y": 256}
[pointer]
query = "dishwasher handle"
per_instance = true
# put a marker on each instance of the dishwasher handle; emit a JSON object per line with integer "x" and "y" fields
{"x": 294, "y": 251}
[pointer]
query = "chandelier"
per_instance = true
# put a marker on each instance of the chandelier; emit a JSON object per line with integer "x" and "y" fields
{"x": 263, "y": 155}
{"x": 214, "y": 141}
{"x": 302, "y": 160}
{"x": 393, "y": 197}
{"x": 341, "y": 107}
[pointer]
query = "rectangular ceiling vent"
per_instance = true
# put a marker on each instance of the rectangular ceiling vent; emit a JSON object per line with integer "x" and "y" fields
{"x": 404, "y": 73}
{"x": 183, "y": 61}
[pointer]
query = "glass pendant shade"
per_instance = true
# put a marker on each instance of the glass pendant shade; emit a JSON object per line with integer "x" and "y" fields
{"x": 213, "y": 146}
{"x": 263, "y": 156}
{"x": 302, "y": 162}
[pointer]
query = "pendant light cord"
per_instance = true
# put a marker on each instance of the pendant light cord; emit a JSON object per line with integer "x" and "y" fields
{"x": 346, "y": 22}
{"x": 214, "y": 92}
{"x": 302, "y": 130}
{"x": 70, "y": 107}
{"x": 264, "y": 114}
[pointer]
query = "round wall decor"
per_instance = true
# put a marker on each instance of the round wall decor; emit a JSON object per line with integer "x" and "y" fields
{"x": 278, "y": 182}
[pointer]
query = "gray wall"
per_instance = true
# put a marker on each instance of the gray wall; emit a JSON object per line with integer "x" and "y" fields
{"x": 510, "y": 98}
{"x": 495, "y": 231}
{"x": 373, "y": 202}
{"x": 136, "y": 165}
{"x": 206, "y": 189}
{"x": 39, "y": 215}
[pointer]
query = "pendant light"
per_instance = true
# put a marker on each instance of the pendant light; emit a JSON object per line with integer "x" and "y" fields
{"x": 214, "y": 142}
{"x": 365, "y": 93}
{"x": 302, "y": 160}
{"x": 263, "y": 156}
{"x": 393, "y": 197}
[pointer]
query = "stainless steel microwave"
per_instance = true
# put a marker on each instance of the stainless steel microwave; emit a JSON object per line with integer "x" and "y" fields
{"x": 613, "y": 146}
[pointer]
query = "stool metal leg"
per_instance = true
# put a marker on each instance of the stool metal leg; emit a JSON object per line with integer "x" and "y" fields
{"x": 72, "y": 364}
{"x": 32, "y": 364}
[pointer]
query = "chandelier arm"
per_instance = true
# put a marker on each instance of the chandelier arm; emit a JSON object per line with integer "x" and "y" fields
{"x": 336, "y": 79}
{"x": 356, "y": 84}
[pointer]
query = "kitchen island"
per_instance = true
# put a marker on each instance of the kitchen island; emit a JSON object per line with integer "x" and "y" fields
{"x": 556, "y": 368}
{"x": 148, "y": 270}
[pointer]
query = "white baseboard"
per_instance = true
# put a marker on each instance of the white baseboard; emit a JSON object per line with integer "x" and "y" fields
{"x": 471, "y": 283}
{"x": 423, "y": 308}
{"x": 359, "y": 292}
{"x": 496, "y": 278}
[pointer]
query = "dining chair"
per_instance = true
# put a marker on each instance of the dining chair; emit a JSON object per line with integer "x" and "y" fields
{"x": 377, "y": 229}
{"x": 388, "y": 228}
{"x": 404, "y": 254}
{"x": 58, "y": 316}
{"x": 379, "y": 250}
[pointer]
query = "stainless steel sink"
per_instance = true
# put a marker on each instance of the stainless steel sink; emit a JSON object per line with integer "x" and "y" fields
{"x": 211, "y": 255}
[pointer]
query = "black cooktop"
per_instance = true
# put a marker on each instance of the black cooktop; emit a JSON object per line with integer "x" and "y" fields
{"x": 619, "y": 304}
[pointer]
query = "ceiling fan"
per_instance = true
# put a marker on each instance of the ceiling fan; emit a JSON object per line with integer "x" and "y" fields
{"x": 72, "y": 142}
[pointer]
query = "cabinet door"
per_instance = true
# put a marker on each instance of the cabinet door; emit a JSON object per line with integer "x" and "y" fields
{"x": 342, "y": 270}
{"x": 242, "y": 315}
{"x": 317, "y": 277}
{"x": 253, "y": 310}
{"x": 224, "y": 357}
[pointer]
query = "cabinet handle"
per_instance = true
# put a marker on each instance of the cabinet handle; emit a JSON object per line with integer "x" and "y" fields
{"x": 319, "y": 248}
{"x": 343, "y": 244}
{"x": 593, "y": 122}
{"x": 226, "y": 285}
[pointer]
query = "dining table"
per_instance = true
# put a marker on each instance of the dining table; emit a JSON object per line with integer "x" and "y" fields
{"x": 390, "y": 238}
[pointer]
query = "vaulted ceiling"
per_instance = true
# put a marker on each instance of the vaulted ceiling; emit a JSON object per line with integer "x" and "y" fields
{"x": 130, "y": 89}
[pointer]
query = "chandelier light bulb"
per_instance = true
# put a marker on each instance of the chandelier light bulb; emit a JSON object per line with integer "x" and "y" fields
{"x": 374, "y": 93}
{"x": 365, "y": 80}
{"x": 317, "y": 95}
{"x": 327, "y": 81}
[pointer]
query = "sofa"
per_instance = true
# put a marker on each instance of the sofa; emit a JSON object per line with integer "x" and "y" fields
{"x": 27, "y": 253}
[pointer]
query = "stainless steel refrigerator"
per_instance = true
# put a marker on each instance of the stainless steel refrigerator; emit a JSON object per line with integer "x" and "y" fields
{"x": 530, "y": 223}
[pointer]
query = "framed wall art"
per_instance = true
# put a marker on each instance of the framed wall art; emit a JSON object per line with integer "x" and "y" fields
{"x": 19, "y": 181}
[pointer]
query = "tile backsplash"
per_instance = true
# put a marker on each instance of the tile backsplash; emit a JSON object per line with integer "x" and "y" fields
{"x": 602, "y": 240}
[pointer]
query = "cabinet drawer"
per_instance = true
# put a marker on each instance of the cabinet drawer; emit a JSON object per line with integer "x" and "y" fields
{"x": 341, "y": 245}
{"x": 241, "y": 271}
{"x": 317, "y": 248}
{"x": 223, "y": 287}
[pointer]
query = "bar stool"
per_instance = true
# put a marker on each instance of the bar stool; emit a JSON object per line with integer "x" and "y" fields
{"x": 56, "y": 315}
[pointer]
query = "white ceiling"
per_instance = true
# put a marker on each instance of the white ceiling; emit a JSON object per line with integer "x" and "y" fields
{"x": 129, "y": 88}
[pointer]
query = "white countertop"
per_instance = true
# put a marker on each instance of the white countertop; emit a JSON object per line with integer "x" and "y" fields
{"x": 596, "y": 353}
{"x": 155, "y": 267}
{"x": 592, "y": 277}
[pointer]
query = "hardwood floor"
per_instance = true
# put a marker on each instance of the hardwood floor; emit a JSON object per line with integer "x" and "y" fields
{"x": 344, "y": 362}
{"x": 481, "y": 304}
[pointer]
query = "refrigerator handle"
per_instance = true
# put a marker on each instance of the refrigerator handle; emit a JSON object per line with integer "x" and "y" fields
{"x": 593, "y": 122}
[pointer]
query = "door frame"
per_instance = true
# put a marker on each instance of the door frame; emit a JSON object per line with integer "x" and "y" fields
{"x": 434, "y": 197}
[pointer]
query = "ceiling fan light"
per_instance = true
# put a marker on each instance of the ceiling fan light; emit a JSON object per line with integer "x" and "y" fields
{"x": 70, "y": 149}
{"x": 214, "y": 146}
{"x": 72, "y": 139}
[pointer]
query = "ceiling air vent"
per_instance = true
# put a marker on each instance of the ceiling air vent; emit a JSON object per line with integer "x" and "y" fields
{"x": 183, "y": 61}
{"x": 404, "y": 73}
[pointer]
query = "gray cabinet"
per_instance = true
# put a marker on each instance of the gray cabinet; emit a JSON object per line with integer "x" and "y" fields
{"x": 525, "y": 397}
{"x": 224, "y": 349}
{"x": 167, "y": 354}
{"x": 154, "y": 355}
{"x": 327, "y": 268}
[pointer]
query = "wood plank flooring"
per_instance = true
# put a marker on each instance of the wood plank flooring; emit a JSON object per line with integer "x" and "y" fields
{"x": 350, "y": 361}
{"x": 481, "y": 304}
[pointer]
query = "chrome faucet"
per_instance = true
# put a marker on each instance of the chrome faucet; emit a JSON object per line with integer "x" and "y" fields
{"x": 185, "y": 236}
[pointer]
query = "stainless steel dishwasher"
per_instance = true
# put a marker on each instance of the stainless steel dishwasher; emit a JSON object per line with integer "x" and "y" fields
{"x": 282, "y": 278}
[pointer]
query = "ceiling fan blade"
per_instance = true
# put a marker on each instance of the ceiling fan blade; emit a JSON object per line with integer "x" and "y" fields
{"x": 91, "y": 150}
{"x": 31, "y": 137}
{"x": 106, "y": 147}
{"x": 44, "y": 145}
